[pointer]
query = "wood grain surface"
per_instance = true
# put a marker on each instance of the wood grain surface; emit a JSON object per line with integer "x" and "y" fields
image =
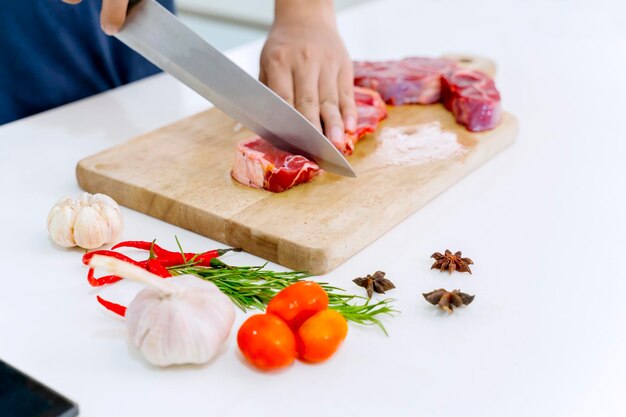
{"x": 181, "y": 174}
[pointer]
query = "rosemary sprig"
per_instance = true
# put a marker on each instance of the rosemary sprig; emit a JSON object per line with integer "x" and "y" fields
{"x": 252, "y": 287}
{"x": 367, "y": 312}
{"x": 249, "y": 287}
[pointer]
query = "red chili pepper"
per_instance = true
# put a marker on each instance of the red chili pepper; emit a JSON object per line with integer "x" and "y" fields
{"x": 100, "y": 281}
{"x": 139, "y": 244}
{"x": 172, "y": 259}
{"x": 87, "y": 257}
{"x": 145, "y": 245}
{"x": 155, "y": 266}
{"x": 204, "y": 259}
{"x": 116, "y": 308}
{"x": 107, "y": 279}
{"x": 169, "y": 258}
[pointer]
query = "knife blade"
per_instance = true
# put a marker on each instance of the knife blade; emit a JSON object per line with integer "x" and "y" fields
{"x": 152, "y": 31}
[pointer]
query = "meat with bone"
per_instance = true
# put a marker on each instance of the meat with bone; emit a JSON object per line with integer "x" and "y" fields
{"x": 261, "y": 165}
{"x": 413, "y": 80}
{"x": 473, "y": 99}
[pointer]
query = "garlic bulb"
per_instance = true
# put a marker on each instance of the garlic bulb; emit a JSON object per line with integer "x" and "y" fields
{"x": 179, "y": 320}
{"x": 89, "y": 222}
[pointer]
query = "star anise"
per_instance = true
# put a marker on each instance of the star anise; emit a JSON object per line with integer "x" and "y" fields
{"x": 451, "y": 262}
{"x": 375, "y": 282}
{"x": 447, "y": 300}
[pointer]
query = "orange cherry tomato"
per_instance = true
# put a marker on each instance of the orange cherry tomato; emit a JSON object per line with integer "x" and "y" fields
{"x": 321, "y": 335}
{"x": 267, "y": 342}
{"x": 298, "y": 302}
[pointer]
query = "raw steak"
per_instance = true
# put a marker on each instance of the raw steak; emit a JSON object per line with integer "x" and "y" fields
{"x": 470, "y": 95}
{"x": 259, "y": 164}
{"x": 473, "y": 99}
{"x": 408, "y": 81}
{"x": 371, "y": 110}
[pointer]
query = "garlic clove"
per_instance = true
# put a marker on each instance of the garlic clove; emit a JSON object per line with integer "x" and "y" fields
{"x": 64, "y": 202}
{"x": 112, "y": 213}
{"x": 61, "y": 225}
{"x": 103, "y": 199}
{"x": 91, "y": 230}
{"x": 85, "y": 200}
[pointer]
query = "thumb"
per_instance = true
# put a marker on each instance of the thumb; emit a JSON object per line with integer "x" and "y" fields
{"x": 113, "y": 15}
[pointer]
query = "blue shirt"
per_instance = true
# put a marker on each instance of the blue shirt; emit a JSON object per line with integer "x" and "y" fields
{"x": 52, "y": 53}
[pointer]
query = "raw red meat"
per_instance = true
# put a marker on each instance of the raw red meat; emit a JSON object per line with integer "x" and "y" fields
{"x": 470, "y": 95}
{"x": 473, "y": 99}
{"x": 371, "y": 110}
{"x": 408, "y": 81}
{"x": 261, "y": 165}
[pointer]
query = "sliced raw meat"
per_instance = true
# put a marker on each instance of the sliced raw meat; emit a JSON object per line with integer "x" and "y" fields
{"x": 371, "y": 110}
{"x": 413, "y": 80}
{"x": 473, "y": 99}
{"x": 261, "y": 165}
{"x": 470, "y": 95}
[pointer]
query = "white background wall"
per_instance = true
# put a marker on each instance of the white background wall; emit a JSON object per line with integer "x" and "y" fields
{"x": 229, "y": 23}
{"x": 254, "y": 12}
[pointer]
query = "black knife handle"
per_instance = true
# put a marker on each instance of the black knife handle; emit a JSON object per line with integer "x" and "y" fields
{"x": 131, "y": 4}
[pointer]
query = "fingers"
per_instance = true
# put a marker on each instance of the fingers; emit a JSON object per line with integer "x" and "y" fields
{"x": 276, "y": 73}
{"x": 306, "y": 81}
{"x": 113, "y": 15}
{"x": 280, "y": 81}
{"x": 329, "y": 107}
{"x": 319, "y": 87}
{"x": 346, "y": 97}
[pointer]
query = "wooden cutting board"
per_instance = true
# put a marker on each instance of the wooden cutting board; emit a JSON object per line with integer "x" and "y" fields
{"x": 181, "y": 174}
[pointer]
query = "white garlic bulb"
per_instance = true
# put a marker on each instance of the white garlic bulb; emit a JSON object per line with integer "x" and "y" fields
{"x": 179, "y": 320}
{"x": 88, "y": 222}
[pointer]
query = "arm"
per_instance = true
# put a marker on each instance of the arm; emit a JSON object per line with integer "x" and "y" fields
{"x": 305, "y": 62}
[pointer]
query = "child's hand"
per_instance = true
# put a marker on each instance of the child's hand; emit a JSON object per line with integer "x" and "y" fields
{"x": 306, "y": 63}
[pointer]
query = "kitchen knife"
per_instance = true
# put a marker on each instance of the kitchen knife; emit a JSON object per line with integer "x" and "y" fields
{"x": 160, "y": 37}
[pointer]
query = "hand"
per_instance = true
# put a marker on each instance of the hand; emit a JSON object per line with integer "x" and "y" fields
{"x": 306, "y": 63}
{"x": 112, "y": 15}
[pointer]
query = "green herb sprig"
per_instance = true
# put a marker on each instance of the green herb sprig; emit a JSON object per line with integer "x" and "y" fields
{"x": 252, "y": 287}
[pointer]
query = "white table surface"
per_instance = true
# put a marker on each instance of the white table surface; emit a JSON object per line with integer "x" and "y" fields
{"x": 544, "y": 222}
